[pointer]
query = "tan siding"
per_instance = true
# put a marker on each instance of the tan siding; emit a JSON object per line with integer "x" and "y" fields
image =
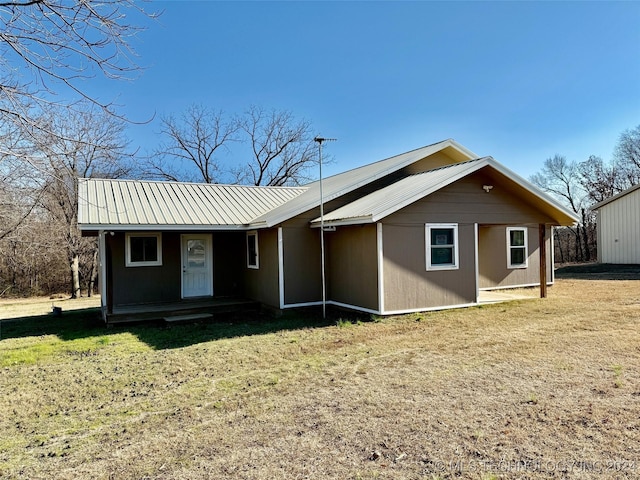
{"x": 262, "y": 284}
{"x": 468, "y": 202}
{"x": 407, "y": 283}
{"x": 619, "y": 230}
{"x": 144, "y": 285}
{"x": 352, "y": 267}
{"x": 302, "y": 274}
{"x": 492, "y": 258}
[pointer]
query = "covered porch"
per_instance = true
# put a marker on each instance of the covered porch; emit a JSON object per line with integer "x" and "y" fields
{"x": 181, "y": 311}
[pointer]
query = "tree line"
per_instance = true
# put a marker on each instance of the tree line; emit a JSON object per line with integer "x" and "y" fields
{"x": 581, "y": 184}
{"x": 53, "y": 132}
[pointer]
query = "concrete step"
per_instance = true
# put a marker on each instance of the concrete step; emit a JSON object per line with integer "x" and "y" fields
{"x": 188, "y": 318}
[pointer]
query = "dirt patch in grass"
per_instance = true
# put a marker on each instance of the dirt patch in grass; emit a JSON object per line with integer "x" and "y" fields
{"x": 599, "y": 271}
{"x": 530, "y": 389}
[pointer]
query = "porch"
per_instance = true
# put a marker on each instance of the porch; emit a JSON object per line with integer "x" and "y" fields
{"x": 500, "y": 296}
{"x": 184, "y": 310}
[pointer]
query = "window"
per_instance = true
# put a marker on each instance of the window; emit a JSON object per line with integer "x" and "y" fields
{"x": 143, "y": 249}
{"x": 442, "y": 246}
{"x": 252, "y": 250}
{"x": 517, "y": 247}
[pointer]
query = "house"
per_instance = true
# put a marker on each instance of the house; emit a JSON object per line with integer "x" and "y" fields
{"x": 427, "y": 229}
{"x": 619, "y": 227}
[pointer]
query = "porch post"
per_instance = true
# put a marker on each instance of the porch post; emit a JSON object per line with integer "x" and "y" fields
{"x": 543, "y": 259}
{"x": 102, "y": 275}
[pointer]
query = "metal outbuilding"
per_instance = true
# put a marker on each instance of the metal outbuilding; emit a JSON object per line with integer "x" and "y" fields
{"x": 619, "y": 227}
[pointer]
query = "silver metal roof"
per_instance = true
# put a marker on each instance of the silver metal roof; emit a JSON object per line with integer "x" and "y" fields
{"x": 338, "y": 185}
{"x": 406, "y": 191}
{"x": 615, "y": 197}
{"x": 133, "y": 204}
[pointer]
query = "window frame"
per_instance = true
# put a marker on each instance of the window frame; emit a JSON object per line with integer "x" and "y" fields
{"x": 455, "y": 247}
{"x": 153, "y": 263}
{"x": 511, "y": 265}
{"x": 256, "y": 265}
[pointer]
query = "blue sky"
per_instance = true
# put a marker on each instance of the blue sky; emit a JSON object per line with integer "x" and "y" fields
{"x": 520, "y": 81}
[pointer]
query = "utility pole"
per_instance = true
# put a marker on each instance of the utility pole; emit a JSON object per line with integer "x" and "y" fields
{"x": 320, "y": 140}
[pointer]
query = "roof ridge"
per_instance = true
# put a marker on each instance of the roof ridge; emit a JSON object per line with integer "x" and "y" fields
{"x": 204, "y": 184}
{"x": 384, "y": 159}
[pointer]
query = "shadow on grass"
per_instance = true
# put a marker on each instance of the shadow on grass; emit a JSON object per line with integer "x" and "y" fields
{"x": 85, "y": 323}
{"x": 599, "y": 271}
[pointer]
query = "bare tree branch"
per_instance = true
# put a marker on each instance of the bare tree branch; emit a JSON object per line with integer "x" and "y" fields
{"x": 283, "y": 149}
{"x": 626, "y": 156}
{"x": 193, "y": 140}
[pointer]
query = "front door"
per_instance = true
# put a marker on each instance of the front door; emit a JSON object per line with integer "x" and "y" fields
{"x": 197, "y": 266}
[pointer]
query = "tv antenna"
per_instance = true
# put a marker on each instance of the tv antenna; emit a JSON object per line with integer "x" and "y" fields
{"x": 320, "y": 140}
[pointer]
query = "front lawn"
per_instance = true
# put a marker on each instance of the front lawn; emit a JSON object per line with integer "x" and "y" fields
{"x": 530, "y": 389}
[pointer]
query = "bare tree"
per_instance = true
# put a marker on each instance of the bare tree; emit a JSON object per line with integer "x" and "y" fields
{"x": 282, "y": 146}
{"x": 48, "y": 49}
{"x": 626, "y": 156}
{"x": 560, "y": 178}
{"x": 59, "y": 44}
{"x": 89, "y": 143}
{"x": 198, "y": 148}
{"x": 598, "y": 179}
{"x": 193, "y": 140}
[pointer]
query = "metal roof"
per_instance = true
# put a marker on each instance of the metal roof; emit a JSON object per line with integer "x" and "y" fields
{"x": 384, "y": 202}
{"x": 613, "y": 198}
{"x": 134, "y": 204}
{"x": 343, "y": 183}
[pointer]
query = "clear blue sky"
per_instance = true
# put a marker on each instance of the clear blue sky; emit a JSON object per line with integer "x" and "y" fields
{"x": 520, "y": 81}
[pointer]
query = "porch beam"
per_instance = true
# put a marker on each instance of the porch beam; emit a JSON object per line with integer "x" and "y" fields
{"x": 542, "y": 235}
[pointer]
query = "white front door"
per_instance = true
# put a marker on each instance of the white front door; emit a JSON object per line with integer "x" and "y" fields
{"x": 197, "y": 266}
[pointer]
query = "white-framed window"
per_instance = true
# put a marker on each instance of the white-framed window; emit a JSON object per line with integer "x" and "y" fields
{"x": 143, "y": 249}
{"x": 517, "y": 251}
{"x": 442, "y": 246}
{"x": 253, "y": 255}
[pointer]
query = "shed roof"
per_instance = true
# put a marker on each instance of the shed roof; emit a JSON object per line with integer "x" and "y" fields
{"x": 613, "y": 198}
{"x": 384, "y": 202}
{"x": 343, "y": 183}
{"x": 138, "y": 205}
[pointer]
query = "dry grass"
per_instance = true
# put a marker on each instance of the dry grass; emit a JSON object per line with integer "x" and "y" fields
{"x": 27, "y": 307}
{"x": 530, "y": 389}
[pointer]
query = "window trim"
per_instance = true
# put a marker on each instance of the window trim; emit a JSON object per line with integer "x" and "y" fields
{"x": 127, "y": 243}
{"x": 456, "y": 247}
{"x": 525, "y": 246}
{"x": 256, "y": 266}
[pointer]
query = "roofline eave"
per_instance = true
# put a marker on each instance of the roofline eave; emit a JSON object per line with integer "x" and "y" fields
{"x": 156, "y": 227}
{"x": 344, "y": 221}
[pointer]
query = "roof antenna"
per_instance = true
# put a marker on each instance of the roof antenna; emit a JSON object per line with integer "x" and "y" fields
{"x": 319, "y": 140}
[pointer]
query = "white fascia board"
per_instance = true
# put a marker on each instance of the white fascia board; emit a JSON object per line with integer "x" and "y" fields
{"x": 343, "y": 222}
{"x": 314, "y": 202}
{"x": 163, "y": 228}
{"x": 613, "y": 198}
{"x": 377, "y": 216}
{"x": 531, "y": 188}
{"x": 462, "y": 149}
{"x": 424, "y": 193}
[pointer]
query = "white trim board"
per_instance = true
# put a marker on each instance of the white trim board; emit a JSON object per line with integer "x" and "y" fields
{"x": 380, "y": 267}
{"x": 281, "y": 268}
{"x": 507, "y": 287}
{"x": 377, "y": 312}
